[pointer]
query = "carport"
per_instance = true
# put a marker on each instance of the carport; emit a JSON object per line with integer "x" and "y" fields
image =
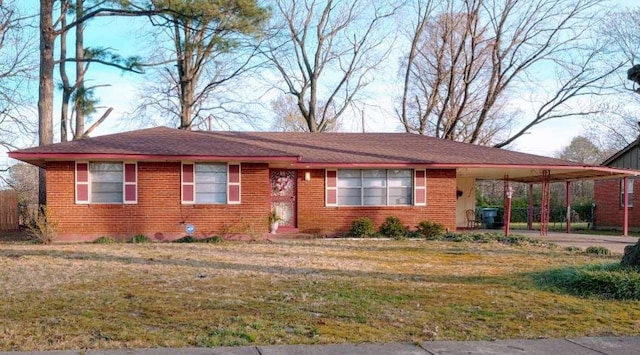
{"x": 545, "y": 175}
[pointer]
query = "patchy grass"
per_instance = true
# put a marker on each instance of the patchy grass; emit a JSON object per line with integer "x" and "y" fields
{"x": 289, "y": 292}
{"x": 597, "y": 280}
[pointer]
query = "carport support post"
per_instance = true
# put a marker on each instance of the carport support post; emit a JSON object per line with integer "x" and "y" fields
{"x": 568, "y": 217}
{"x": 530, "y": 214}
{"x": 625, "y": 222}
{"x": 507, "y": 209}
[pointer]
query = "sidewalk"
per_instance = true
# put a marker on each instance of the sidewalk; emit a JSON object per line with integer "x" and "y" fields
{"x": 581, "y": 346}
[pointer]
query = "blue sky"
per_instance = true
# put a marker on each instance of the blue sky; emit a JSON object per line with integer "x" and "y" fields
{"x": 126, "y": 36}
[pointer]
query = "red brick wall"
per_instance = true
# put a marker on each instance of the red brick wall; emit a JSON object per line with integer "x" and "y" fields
{"x": 609, "y": 213}
{"x": 314, "y": 217}
{"x": 160, "y": 215}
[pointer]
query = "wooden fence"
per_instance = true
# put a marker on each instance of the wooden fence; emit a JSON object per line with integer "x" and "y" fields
{"x": 9, "y": 216}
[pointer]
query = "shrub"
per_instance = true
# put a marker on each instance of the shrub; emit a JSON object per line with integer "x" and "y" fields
{"x": 458, "y": 237}
{"x": 362, "y": 227}
{"x": 139, "y": 238}
{"x": 393, "y": 228}
{"x": 631, "y": 257}
{"x": 573, "y": 249}
{"x": 186, "y": 239}
{"x": 482, "y": 237}
{"x": 430, "y": 230}
{"x": 414, "y": 234}
{"x": 41, "y": 228}
{"x": 610, "y": 281}
{"x": 214, "y": 240}
{"x": 105, "y": 240}
{"x": 597, "y": 250}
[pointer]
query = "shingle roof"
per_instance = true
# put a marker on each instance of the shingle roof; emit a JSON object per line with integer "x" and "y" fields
{"x": 310, "y": 148}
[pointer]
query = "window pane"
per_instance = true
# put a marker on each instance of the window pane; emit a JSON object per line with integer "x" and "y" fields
{"x": 375, "y": 196}
{"x": 400, "y": 196}
{"x": 375, "y": 187}
{"x": 106, "y": 182}
{"x": 349, "y": 197}
{"x": 400, "y": 178}
{"x": 374, "y": 178}
{"x": 349, "y": 178}
{"x": 404, "y": 173}
{"x": 210, "y": 197}
{"x": 629, "y": 191}
{"x": 211, "y": 183}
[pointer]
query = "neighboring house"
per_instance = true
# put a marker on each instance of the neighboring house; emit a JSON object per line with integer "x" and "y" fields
{"x": 609, "y": 194}
{"x": 157, "y": 181}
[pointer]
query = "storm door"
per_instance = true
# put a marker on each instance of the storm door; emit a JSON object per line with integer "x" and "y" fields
{"x": 283, "y": 196}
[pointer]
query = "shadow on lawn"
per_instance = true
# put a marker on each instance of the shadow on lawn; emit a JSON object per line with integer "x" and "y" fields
{"x": 271, "y": 269}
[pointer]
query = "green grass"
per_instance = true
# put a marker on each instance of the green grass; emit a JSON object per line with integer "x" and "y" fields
{"x": 120, "y": 295}
{"x": 598, "y": 280}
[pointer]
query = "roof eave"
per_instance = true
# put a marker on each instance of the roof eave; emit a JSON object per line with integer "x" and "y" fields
{"x": 39, "y": 158}
{"x": 621, "y": 152}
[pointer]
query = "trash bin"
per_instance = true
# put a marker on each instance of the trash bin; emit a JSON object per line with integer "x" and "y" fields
{"x": 488, "y": 216}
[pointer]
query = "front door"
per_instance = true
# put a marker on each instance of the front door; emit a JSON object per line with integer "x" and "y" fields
{"x": 283, "y": 196}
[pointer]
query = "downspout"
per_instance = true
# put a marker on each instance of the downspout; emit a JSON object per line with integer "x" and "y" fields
{"x": 530, "y": 212}
{"x": 568, "y": 217}
{"x": 625, "y": 218}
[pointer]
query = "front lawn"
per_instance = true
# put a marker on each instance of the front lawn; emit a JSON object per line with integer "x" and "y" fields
{"x": 289, "y": 292}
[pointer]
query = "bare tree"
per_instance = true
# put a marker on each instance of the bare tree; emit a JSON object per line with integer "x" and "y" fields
{"x": 622, "y": 30}
{"x": 16, "y": 67}
{"x": 582, "y": 150}
{"x": 202, "y": 47}
{"x": 617, "y": 126}
{"x": 23, "y": 178}
{"x": 469, "y": 57}
{"x": 288, "y": 117}
{"x": 326, "y": 53}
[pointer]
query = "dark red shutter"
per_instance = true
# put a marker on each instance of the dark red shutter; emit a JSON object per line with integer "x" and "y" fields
{"x": 82, "y": 183}
{"x": 188, "y": 177}
{"x": 233, "y": 183}
{"x": 420, "y": 188}
{"x": 331, "y": 188}
{"x": 130, "y": 183}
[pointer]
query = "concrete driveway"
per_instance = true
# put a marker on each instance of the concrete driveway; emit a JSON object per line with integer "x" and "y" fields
{"x": 614, "y": 243}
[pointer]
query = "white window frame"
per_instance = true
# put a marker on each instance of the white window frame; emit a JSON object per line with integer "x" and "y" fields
{"x": 362, "y": 188}
{"x": 629, "y": 192}
{"x": 91, "y": 187}
{"x": 195, "y": 184}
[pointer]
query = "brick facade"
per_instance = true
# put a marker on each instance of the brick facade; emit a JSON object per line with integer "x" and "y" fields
{"x": 314, "y": 217}
{"x": 609, "y": 212}
{"x": 160, "y": 215}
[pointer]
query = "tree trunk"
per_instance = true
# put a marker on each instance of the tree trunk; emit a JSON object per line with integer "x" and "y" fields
{"x": 185, "y": 54}
{"x": 66, "y": 89}
{"x": 80, "y": 90}
{"x": 45, "y": 88}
